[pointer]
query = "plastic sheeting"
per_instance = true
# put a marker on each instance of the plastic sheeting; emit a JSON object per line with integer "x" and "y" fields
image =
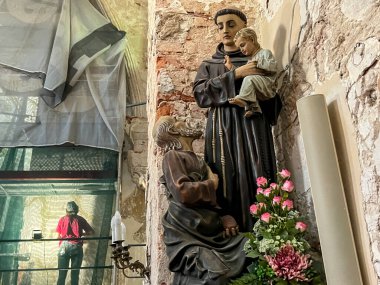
{"x": 62, "y": 75}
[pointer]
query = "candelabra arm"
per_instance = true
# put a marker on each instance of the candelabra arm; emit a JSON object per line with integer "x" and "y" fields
{"x": 123, "y": 261}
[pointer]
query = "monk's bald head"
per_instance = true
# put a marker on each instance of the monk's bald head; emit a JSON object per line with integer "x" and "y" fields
{"x": 230, "y": 11}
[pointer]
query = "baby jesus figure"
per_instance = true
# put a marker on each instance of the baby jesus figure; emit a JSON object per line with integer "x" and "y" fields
{"x": 254, "y": 87}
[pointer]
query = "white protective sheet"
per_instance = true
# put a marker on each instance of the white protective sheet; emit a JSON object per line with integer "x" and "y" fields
{"x": 62, "y": 75}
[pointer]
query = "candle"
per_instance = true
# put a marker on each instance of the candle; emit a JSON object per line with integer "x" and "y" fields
{"x": 116, "y": 227}
{"x": 123, "y": 234}
{"x": 113, "y": 229}
{"x": 335, "y": 233}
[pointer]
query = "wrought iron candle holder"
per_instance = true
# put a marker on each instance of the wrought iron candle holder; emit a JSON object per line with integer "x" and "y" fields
{"x": 123, "y": 260}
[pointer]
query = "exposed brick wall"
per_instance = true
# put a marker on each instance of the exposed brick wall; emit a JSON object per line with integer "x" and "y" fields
{"x": 183, "y": 34}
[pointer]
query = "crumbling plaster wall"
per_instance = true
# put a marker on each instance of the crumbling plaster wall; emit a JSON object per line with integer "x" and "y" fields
{"x": 333, "y": 49}
{"x": 329, "y": 47}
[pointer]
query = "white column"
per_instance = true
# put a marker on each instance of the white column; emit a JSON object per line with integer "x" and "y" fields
{"x": 335, "y": 233}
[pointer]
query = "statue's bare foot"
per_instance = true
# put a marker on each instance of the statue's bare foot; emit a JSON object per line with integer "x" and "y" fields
{"x": 237, "y": 101}
{"x": 248, "y": 114}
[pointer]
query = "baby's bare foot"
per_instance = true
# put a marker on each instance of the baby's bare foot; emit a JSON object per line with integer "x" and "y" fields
{"x": 237, "y": 101}
{"x": 248, "y": 114}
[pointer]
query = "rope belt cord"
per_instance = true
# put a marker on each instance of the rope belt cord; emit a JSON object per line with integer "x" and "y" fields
{"x": 222, "y": 158}
{"x": 213, "y": 135}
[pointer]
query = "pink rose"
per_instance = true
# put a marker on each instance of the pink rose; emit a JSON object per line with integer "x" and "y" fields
{"x": 288, "y": 186}
{"x": 253, "y": 209}
{"x": 287, "y": 204}
{"x": 285, "y": 173}
{"x": 265, "y": 217}
{"x": 259, "y": 191}
{"x": 261, "y": 205}
{"x": 273, "y": 185}
{"x": 276, "y": 200}
{"x": 261, "y": 181}
{"x": 301, "y": 226}
{"x": 267, "y": 192}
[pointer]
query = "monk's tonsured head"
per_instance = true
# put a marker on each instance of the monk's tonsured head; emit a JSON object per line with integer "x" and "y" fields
{"x": 229, "y": 22}
{"x": 167, "y": 132}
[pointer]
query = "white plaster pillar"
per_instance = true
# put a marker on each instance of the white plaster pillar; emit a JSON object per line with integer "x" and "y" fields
{"x": 335, "y": 233}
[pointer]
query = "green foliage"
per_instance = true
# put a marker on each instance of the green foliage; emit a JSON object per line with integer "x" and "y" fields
{"x": 248, "y": 278}
{"x": 278, "y": 232}
{"x": 259, "y": 273}
{"x": 267, "y": 238}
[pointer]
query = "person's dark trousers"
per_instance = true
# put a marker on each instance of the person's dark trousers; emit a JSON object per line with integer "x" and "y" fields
{"x": 67, "y": 252}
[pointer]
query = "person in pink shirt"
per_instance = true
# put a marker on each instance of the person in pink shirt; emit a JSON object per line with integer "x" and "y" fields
{"x": 71, "y": 226}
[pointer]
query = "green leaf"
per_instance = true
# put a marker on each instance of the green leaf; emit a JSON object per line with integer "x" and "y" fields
{"x": 249, "y": 235}
{"x": 282, "y": 282}
{"x": 284, "y": 235}
{"x": 267, "y": 235}
{"x": 251, "y": 268}
{"x": 248, "y": 278}
{"x": 318, "y": 281}
{"x": 253, "y": 254}
{"x": 290, "y": 224}
{"x": 260, "y": 198}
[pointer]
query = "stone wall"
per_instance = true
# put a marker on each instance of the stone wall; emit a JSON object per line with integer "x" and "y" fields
{"x": 332, "y": 47}
{"x": 329, "y": 47}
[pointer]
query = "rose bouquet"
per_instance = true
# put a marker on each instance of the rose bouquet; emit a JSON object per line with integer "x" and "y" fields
{"x": 279, "y": 251}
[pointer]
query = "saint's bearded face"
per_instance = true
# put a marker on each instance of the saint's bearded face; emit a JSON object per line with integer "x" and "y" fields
{"x": 228, "y": 26}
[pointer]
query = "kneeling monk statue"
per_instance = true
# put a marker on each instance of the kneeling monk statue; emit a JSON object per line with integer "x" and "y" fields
{"x": 203, "y": 247}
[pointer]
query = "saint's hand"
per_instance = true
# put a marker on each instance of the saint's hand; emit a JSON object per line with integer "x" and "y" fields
{"x": 248, "y": 69}
{"x": 227, "y": 62}
{"x": 230, "y": 226}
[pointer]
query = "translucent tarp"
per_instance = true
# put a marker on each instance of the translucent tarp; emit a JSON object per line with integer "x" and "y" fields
{"x": 57, "y": 158}
{"x": 62, "y": 77}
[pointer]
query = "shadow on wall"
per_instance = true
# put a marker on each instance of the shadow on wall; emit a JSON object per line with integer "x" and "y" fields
{"x": 289, "y": 148}
{"x": 279, "y": 44}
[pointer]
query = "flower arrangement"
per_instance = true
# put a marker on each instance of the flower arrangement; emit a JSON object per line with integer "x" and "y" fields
{"x": 280, "y": 253}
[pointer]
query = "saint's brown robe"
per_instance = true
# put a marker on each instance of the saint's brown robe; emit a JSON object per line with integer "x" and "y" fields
{"x": 238, "y": 149}
{"x": 198, "y": 252}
